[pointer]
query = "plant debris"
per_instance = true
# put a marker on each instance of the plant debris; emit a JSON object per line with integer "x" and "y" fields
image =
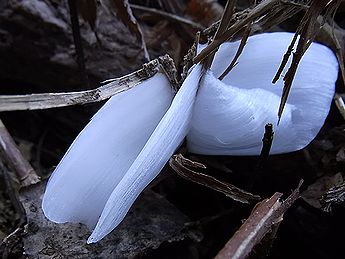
{"x": 182, "y": 167}
{"x": 265, "y": 215}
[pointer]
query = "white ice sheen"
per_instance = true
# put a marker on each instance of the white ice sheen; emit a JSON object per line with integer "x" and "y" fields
{"x": 168, "y": 135}
{"x": 100, "y": 156}
{"x": 128, "y": 142}
{"x": 229, "y": 116}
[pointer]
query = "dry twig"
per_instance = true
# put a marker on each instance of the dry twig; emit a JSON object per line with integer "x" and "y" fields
{"x": 77, "y": 41}
{"x": 223, "y": 25}
{"x": 24, "y": 171}
{"x": 182, "y": 167}
{"x": 115, "y": 86}
{"x": 110, "y": 88}
{"x": 264, "y": 216}
{"x": 258, "y": 11}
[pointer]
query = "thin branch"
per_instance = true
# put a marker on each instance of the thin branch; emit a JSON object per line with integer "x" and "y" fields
{"x": 265, "y": 216}
{"x": 226, "y": 18}
{"x": 266, "y": 145}
{"x": 168, "y": 16}
{"x": 77, "y": 41}
{"x": 10, "y": 241}
{"x": 24, "y": 171}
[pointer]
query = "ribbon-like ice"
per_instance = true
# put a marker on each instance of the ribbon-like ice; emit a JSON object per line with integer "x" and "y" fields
{"x": 129, "y": 140}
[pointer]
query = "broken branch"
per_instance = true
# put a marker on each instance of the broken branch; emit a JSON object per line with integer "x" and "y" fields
{"x": 265, "y": 215}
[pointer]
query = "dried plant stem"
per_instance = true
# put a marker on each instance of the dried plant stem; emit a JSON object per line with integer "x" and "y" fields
{"x": 77, "y": 41}
{"x": 168, "y": 16}
{"x": 24, "y": 171}
{"x": 253, "y": 230}
{"x": 266, "y": 145}
{"x": 238, "y": 53}
{"x": 339, "y": 102}
{"x": 182, "y": 167}
{"x": 54, "y": 100}
{"x": 307, "y": 31}
{"x": 223, "y": 25}
{"x": 258, "y": 11}
{"x": 263, "y": 16}
{"x": 265, "y": 215}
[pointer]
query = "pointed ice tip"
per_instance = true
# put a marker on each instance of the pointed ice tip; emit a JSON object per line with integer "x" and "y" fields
{"x": 92, "y": 239}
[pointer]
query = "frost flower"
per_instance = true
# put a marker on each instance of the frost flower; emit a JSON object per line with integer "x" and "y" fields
{"x": 129, "y": 140}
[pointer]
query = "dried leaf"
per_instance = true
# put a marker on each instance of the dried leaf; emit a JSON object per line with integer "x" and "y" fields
{"x": 123, "y": 11}
{"x": 182, "y": 167}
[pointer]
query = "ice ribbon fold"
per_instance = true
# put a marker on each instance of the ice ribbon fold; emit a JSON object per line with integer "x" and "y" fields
{"x": 130, "y": 139}
{"x": 230, "y": 115}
